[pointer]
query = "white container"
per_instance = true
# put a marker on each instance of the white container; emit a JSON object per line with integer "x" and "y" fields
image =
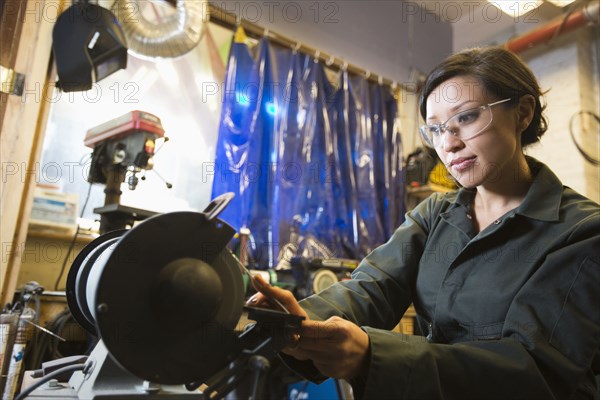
{"x": 54, "y": 211}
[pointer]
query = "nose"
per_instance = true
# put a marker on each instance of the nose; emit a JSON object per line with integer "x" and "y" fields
{"x": 450, "y": 141}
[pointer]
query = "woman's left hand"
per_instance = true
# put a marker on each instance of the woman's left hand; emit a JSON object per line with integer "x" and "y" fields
{"x": 337, "y": 347}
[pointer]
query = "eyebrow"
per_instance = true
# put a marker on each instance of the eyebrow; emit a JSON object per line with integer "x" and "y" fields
{"x": 453, "y": 109}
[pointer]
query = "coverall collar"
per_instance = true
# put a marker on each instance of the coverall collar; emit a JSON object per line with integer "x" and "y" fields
{"x": 542, "y": 201}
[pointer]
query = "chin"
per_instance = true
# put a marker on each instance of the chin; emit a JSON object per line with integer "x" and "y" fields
{"x": 468, "y": 186}
{"x": 467, "y": 181}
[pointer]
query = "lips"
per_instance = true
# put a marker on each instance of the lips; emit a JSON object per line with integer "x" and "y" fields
{"x": 462, "y": 163}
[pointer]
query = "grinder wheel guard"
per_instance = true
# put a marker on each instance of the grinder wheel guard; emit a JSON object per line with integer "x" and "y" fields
{"x": 167, "y": 299}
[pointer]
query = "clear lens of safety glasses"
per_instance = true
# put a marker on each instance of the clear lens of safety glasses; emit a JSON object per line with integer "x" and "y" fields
{"x": 465, "y": 125}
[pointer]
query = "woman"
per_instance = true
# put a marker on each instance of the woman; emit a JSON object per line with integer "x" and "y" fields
{"x": 505, "y": 272}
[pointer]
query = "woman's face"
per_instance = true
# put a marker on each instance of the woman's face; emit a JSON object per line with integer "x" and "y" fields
{"x": 483, "y": 158}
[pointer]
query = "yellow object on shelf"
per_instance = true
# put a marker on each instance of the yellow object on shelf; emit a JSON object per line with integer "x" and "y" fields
{"x": 439, "y": 175}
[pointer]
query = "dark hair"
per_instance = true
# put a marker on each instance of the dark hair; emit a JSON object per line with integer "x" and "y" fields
{"x": 502, "y": 74}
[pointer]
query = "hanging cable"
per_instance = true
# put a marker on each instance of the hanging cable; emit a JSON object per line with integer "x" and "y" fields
{"x": 52, "y": 375}
{"x": 586, "y": 156}
{"x": 48, "y": 347}
{"x": 72, "y": 244}
{"x": 561, "y": 27}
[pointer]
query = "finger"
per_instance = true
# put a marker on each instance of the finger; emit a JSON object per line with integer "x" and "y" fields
{"x": 259, "y": 300}
{"x": 317, "y": 346}
{"x": 258, "y": 282}
{"x": 311, "y": 348}
{"x": 299, "y": 350}
{"x": 284, "y": 296}
{"x": 255, "y": 299}
{"x": 322, "y": 330}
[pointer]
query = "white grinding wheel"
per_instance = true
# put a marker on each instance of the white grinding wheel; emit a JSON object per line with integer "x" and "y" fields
{"x": 322, "y": 279}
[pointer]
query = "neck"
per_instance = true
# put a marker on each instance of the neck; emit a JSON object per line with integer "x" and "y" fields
{"x": 508, "y": 190}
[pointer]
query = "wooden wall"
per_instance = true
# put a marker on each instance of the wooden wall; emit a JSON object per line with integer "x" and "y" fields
{"x": 26, "y": 48}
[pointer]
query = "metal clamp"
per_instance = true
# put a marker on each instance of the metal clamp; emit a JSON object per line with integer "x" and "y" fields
{"x": 11, "y": 82}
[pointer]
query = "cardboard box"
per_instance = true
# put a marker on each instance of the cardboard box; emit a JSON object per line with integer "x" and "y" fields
{"x": 54, "y": 211}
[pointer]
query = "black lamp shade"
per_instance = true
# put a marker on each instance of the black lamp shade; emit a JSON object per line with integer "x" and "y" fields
{"x": 88, "y": 46}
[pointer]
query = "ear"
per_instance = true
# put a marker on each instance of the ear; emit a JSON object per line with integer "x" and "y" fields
{"x": 525, "y": 111}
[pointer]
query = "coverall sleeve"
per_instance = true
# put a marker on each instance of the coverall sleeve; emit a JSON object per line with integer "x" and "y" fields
{"x": 378, "y": 295}
{"x": 549, "y": 341}
{"x": 374, "y": 297}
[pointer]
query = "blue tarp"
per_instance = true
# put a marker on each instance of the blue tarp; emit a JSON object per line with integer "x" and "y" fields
{"x": 311, "y": 161}
{"x": 239, "y": 109}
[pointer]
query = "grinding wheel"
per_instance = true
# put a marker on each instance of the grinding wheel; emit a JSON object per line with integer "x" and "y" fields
{"x": 169, "y": 298}
{"x": 77, "y": 279}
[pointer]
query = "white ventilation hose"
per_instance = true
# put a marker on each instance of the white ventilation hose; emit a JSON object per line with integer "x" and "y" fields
{"x": 166, "y": 36}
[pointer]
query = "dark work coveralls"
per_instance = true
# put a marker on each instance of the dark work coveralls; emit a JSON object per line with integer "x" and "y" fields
{"x": 513, "y": 311}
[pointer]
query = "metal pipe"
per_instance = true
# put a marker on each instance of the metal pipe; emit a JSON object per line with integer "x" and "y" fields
{"x": 589, "y": 14}
{"x": 230, "y": 21}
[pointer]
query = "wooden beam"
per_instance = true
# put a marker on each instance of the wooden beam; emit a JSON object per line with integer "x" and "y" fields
{"x": 23, "y": 128}
{"x": 11, "y": 13}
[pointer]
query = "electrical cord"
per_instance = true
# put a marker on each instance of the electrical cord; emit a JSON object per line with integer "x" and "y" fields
{"x": 52, "y": 375}
{"x": 48, "y": 348}
{"x": 59, "y": 325}
{"x": 72, "y": 244}
{"x": 45, "y": 345}
{"x": 95, "y": 158}
{"x": 588, "y": 158}
{"x": 570, "y": 9}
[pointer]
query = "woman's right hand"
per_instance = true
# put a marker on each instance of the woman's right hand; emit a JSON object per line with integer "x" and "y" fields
{"x": 337, "y": 347}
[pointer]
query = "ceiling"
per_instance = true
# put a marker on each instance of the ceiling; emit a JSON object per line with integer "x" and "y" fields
{"x": 465, "y": 11}
{"x": 479, "y": 22}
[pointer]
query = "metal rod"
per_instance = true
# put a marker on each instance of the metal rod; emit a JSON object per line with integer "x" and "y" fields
{"x": 256, "y": 283}
{"x": 227, "y": 20}
{"x": 49, "y": 332}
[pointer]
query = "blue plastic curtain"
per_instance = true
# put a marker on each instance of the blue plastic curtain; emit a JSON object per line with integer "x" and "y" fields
{"x": 357, "y": 104}
{"x": 239, "y": 109}
{"x": 315, "y": 164}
